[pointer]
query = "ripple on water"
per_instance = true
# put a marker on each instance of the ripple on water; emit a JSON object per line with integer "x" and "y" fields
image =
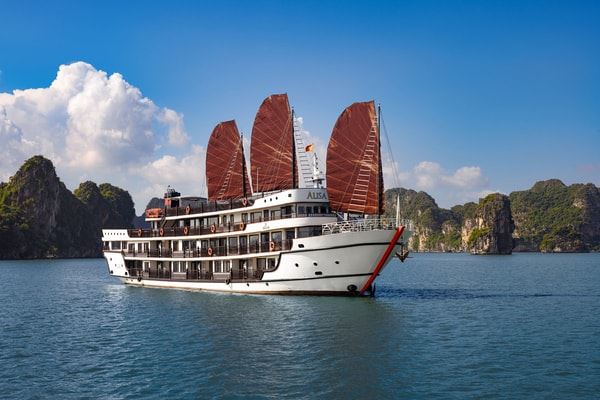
{"x": 440, "y": 326}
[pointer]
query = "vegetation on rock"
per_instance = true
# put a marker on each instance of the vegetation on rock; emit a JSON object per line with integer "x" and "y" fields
{"x": 554, "y": 217}
{"x": 40, "y": 217}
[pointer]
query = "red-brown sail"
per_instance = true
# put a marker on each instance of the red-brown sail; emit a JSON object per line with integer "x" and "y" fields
{"x": 226, "y": 175}
{"x": 272, "y": 151}
{"x": 354, "y": 176}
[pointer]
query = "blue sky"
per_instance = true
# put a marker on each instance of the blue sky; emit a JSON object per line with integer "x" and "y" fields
{"x": 476, "y": 96}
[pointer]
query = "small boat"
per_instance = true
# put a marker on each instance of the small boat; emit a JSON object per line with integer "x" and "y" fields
{"x": 274, "y": 228}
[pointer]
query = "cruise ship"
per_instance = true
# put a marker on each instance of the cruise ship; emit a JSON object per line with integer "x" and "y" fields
{"x": 273, "y": 228}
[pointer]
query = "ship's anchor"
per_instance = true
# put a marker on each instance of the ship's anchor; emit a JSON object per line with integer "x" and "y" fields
{"x": 402, "y": 255}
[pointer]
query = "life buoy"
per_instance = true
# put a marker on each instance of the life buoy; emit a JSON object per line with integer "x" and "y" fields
{"x": 188, "y": 209}
{"x": 209, "y": 251}
{"x": 213, "y": 228}
{"x": 271, "y": 245}
{"x": 244, "y": 202}
{"x": 139, "y": 232}
{"x": 186, "y": 230}
{"x": 242, "y": 226}
{"x": 161, "y": 232}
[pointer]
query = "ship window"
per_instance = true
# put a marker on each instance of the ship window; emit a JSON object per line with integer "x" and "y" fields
{"x": 254, "y": 243}
{"x": 276, "y": 237}
{"x": 261, "y": 264}
{"x": 226, "y": 266}
{"x": 115, "y": 245}
{"x": 264, "y": 241}
{"x": 308, "y": 231}
{"x": 301, "y": 210}
{"x": 233, "y": 244}
{"x": 318, "y": 273}
{"x": 255, "y": 217}
{"x": 275, "y": 214}
{"x": 245, "y": 217}
{"x": 243, "y": 244}
{"x": 266, "y": 215}
{"x": 178, "y": 266}
{"x": 271, "y": 262}
{"x": 217, "y": 267}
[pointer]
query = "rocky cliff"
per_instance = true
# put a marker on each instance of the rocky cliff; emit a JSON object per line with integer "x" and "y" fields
{"x": 549, "y": 217}
{"x": 41, "y": 218}
{"x": 490, "y": 230}
{"x": 484, "y": 228}
{"x": 554, "y": 217}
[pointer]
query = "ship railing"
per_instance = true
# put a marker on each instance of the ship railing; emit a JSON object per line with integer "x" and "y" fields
{"x": 218, "y": 228}
{"x": 213, "y": 251}
{"x": 362, "y": 225}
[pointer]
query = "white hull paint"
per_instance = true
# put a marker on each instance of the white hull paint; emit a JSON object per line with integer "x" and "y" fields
{"x": 328, "y": 264}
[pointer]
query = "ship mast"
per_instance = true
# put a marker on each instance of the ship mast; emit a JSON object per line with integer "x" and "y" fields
{"x": 244, "y": 188}
{"x": 294, "y": 177}
{"x": 379, "y": 175}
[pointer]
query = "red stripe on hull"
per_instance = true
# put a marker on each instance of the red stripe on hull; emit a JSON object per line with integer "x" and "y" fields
{"x": 383, "y": 259}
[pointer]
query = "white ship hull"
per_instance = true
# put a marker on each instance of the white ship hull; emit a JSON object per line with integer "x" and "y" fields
{"x": 336, "y": 264}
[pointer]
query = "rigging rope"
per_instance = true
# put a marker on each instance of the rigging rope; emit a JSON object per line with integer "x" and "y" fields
{"x": 391, "y": 154}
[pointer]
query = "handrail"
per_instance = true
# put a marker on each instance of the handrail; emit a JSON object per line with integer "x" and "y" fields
{"x": 216, "y": 251}
{"x": 361, "y": 225}
{"x": 207, "y": 230}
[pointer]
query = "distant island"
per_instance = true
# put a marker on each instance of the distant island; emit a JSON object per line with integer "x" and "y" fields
{"x": 41, "y": 218}
{"x": 550, "y": 217}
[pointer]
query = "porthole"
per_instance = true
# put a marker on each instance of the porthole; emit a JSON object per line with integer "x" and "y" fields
{"x": 296, "y": 265}
{"x": 289, "y": 195}
{"x": 318, "y": 273}
{"x": 247, "y": 284}
{"x": 315, "y": 264}
{"x": 337, "y": 262}
{"x": 300, "y": 245}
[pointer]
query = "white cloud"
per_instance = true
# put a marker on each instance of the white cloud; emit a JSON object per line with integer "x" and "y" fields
{"x": 428, "y": 175}
{"x": 466, "y": 183}
{"x": 174, "y": 120}
{"x": 94, "y": 126}
{"x": 186, "y": 173}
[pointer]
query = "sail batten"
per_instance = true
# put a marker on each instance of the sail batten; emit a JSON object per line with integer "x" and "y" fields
{"x": 272, "y": 153}
{"x": 354, "y": 173}
{"x": 226, "y": 174}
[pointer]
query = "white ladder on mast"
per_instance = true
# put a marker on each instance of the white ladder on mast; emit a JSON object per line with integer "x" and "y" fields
{"x": 359, "y": 197}
{"x": 304, "y": 165}
{"x": 225, "y": 183}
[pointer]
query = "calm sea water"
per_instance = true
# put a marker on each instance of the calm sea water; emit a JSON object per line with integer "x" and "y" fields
{"x": 441, "y": 326}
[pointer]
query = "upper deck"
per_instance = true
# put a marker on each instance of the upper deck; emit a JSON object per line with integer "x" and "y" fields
{"x": 252, "y": 204}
